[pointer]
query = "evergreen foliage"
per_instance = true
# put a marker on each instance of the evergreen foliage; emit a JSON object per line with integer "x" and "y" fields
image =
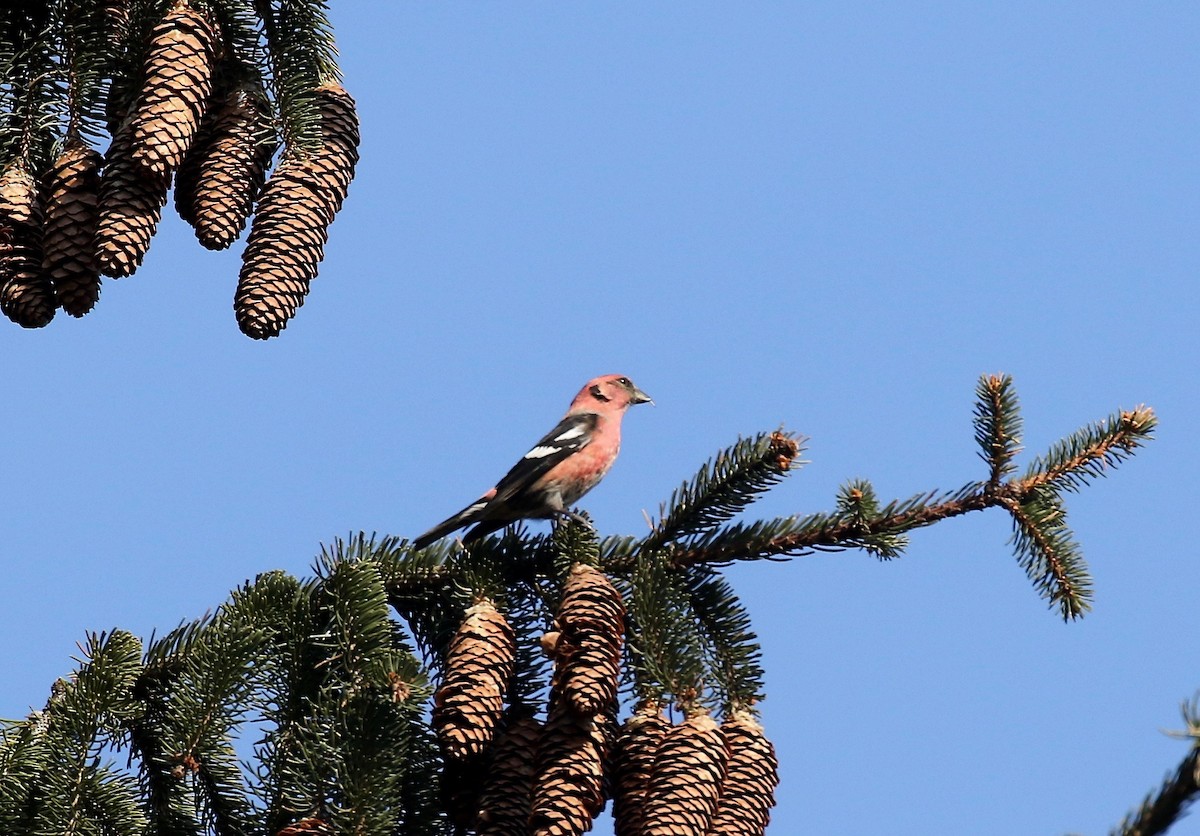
{"x": 1179, "y": 790}
{"x": 327, "y": 683}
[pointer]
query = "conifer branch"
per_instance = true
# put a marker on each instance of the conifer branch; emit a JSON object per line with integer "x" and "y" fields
{"x": 30, "y": 103}
{"x": 111, "y": 802}
{"x": 997, "y": 425}
{"x": 665, "y": 646}
{"x": 58, "y": 789}
{"x": 1163, "y": 808}
{"x": 85, "y": 49}
{"x": 724, "y": 486}
{"x": 1045, "y": 547}
{"x": 802, "y": 536}
{"x": 734, "y": 654}
{"x": 1090, "y": 452}
{"x": 303, "y": 57}
{"x": 859, "y": 506}
{"x": 1048, "y": 553}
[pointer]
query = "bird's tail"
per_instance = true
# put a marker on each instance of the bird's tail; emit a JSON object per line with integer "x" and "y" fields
{"x": 464, "y": 517}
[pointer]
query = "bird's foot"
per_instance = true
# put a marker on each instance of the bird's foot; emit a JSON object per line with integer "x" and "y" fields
{"x": 582, "y": 519}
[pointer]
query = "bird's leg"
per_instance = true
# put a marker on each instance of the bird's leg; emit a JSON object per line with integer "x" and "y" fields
{"x": 564, "y": 515}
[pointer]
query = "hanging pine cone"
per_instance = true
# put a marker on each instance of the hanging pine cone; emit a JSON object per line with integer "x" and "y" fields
{"x": 26, "y": 294}
{"x": 187, "y": 176}
{"x": 591, "y": 620}
{"x": 116, "y": 17}
{"x": 749, "y": 790}
{"x": 467, "y": 708}
{"x": 570, "y": 787}
{"x": 507, "y": 795}
{"x": 633, "y": 762}
{"x": 223, "y": 172}
{"x": 131, "y": 202}
{"x": 685, "y": 784}
{"x": 307, "y": 827}
{"x": 461, "y": 785}
{"x": 290, "y": 228}
{"x": 178, "y": 81}
{"x": 72, "y": 196}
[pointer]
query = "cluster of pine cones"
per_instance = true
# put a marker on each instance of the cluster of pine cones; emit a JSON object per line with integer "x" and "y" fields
{"x": 509, "y": 774}
{"x": 89, "y": 215}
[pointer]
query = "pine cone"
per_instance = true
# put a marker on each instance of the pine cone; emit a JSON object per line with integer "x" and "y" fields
{"x": 26, "y": 294}
{"x": 749, "y": 791}
{"x": 290, "y": 228}
{"x": 72, "y": 197}
{"x": 308, "y": 827}
{"x": 178, "y": 82}
{"x": 633, "y": 763}
{"x": 461, "y": 786}
{"x": 224, "y": 170}
{"x": 591, "y": 619}
{"x": 116, "y": 17}
{"x": 570, "y": 787}
{"x": 685, "y": 784}
{"x": 467, "y": 708}
{"x": 507, "y": 795}
{"x": 131, "y": 202}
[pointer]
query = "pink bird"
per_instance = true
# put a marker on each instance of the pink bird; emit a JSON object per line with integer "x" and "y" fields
{"x": 565, "y": 464}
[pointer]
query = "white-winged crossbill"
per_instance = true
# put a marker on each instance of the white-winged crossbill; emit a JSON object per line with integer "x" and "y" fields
{"x": 564, "y": 465}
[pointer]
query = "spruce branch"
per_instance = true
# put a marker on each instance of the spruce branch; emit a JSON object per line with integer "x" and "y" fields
{"x": 23, "y": 759}
{"x": 83, "y": 715}
{"x": 1047, "y": 551}
{"x": 31, "y": 102}
{"x": 733, "y": 653}
{"x": 358, "y": 724}
{"x": 1090, "y": 452}
{"x": 1045, "y": 547}
{"x": 665, "y": 647}
{"x": 997, "y": 425}
{"x": 111, "y": 802}
{"x": 800, "y": 536}
{"x": 1164, "y": 807}
{"x": 246, "y": 58}
{"x": 725, "y": 485}
{"x": 81, "y": 30}
{"x": 858, "y": 504}
{"x": 303, "y": 56}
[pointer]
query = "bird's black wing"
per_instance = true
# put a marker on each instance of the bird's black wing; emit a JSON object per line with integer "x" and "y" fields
{"x": 572, "y": 434}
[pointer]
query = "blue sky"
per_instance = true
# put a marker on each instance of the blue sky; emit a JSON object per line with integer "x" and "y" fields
{"x": 831, "y": 216}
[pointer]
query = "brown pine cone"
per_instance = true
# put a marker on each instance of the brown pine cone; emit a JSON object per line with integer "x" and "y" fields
{"x": 131, "y": 202}
{"x": 69, "y": 253}
{"x": 178, "y": 82}
{"x": 26, "y": 294}
{"x": 570, "y": 787}
{"x": 633, "y": 763}
{"x": 685, "y": 784}
{"x": 461, "y": 785}
{"x": 505, "y": 805}
{"x": 290, "y": 227}
{"x": 468, "y": 705}
{"x": 307, "y": 827}
{"x": 223, "y": 172}
{"x": 591, "y": 620}
{"x": 750, "y": 781}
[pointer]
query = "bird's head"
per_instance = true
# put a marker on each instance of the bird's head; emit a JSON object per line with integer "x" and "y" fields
{"x": 609, "y": 392}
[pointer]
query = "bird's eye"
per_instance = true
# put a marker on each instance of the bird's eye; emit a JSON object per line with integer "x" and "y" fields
{"x": 624, "y": 381}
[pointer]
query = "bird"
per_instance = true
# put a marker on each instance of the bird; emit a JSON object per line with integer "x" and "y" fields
{"x": 566, "y": 463}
